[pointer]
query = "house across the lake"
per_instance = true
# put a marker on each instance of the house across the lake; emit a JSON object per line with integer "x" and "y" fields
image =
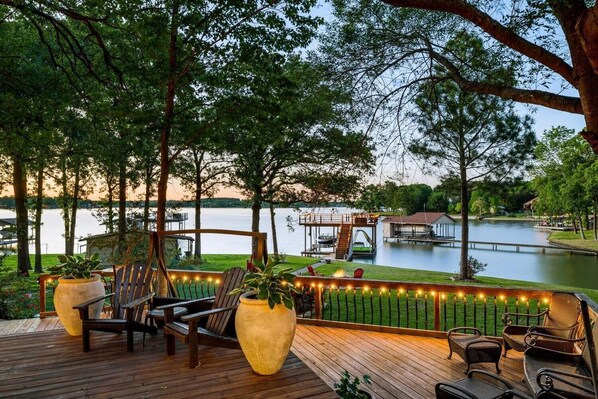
{"x": 420, "y": 225}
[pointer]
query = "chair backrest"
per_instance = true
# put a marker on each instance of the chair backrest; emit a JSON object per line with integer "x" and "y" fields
{"x": 564, "y": 311}
{"x": 131, "y": 282}
{"x": 358, "y": 273}
{"x": 231, "y": 279}
{"x": 311, "y": 270}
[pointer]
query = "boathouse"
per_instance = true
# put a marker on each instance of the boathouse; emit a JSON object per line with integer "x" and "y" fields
{"x": 419, "y": 225}
{"x": 136, "y": 247}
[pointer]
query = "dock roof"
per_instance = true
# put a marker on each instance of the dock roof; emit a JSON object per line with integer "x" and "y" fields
{"x": 423, "y": 218}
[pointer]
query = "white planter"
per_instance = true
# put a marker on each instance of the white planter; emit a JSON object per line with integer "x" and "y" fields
{"x": 71, "y": 292}
{"x": 265, "y": 334}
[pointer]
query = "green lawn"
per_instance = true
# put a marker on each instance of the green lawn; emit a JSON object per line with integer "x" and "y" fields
{"x": 571, "y": 239}
{"x": 375, "y": 272}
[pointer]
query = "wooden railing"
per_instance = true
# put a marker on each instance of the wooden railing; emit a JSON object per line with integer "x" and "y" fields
{"x": 419, "y": 308}
{"x": 337, "y": 219}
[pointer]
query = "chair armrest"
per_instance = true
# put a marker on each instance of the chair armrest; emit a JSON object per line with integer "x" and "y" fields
{"x": 547, "y": 376}
{"x": 506, "y": 317}
{"x": 463, "y": 330}
{"x": 92, "y": 301}
{"x": 532, "y": 338}
{"x": 542, "y": 329}
{"x": 493, "y": 376}
{"x": 441, "y": 386}
{"x": 201, "y": 315}
{"x": 137, "y": 302}
{"x": 184, "y": 303}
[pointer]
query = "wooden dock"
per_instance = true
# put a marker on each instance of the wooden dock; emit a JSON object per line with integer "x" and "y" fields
{"x": 493, "y": 246}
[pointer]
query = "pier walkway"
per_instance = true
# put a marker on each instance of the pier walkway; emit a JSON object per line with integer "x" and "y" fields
{"x": 493, "y": 246}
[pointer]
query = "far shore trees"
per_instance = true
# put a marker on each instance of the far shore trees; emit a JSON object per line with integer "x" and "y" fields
{"x": 565, "y": 178}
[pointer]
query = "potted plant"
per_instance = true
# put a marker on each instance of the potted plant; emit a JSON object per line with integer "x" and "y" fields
{"x": 348, "y": 387}
{"x": 77, "y": 284}
{"x": 265, "y": 320}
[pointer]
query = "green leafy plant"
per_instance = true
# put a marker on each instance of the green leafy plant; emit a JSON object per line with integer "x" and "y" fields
{"x": 267, "y": 284}
{"x": 75, "y": 266}
{"x": 348, "y": 386}
{"x": 473, "y": 267}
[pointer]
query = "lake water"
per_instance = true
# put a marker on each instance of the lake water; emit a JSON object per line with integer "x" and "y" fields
{"x": 552, "y": 267}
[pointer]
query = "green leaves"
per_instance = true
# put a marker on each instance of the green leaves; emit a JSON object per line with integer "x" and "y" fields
{"x": 348, "y": 386}
{"x": 72, "y": 267}
{"x": 276, "y": 287}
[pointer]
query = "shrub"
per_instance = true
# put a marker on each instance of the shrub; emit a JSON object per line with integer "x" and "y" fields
{"x": 474, "y": 266}
{"x": 17, "y": 301}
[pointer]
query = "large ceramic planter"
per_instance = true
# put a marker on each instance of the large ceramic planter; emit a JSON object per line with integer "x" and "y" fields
{"x": 71, "y": 292}
{"x": 265, "y": 334}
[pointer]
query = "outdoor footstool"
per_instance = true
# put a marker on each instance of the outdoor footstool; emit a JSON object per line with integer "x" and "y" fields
{"x": 473, "y": 348}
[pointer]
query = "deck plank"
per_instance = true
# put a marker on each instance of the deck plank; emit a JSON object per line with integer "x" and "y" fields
{"x": 51, "y": 364}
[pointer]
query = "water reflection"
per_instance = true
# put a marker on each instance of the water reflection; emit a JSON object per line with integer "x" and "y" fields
{"x": 529, "y": 265}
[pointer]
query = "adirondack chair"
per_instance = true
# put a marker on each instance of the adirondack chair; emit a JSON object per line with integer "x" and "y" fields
{"x": 131, "y": 291}
{"x": 212, "y": 327}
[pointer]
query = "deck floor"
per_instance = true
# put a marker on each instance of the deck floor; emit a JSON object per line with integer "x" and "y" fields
{"x": 401, "y": 366}
{"x": 51, "y": 364}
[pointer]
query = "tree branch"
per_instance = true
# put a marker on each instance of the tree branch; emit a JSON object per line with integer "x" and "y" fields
{"x": 495, "y": 30}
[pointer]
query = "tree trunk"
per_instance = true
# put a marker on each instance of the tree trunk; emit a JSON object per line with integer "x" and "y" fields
{"x": 146, "y": 198}
{"x": 74, "y": 207}
{"x": 66, "y": 216}
{"x": 595, "y": 218}
{"x": 110, "y": 212}
{"x": 198, "y": 190}
{"x": 256, "y": 206}
{"x": 581, "y": 232}
{"x": 39, "y": 202}
{"x": 165, "y": 136}
{"x": 463, "y": 269}
{"x": 19, "y": 182}
{"x": 274, "y": 236}
{"x": 122, "y": 209}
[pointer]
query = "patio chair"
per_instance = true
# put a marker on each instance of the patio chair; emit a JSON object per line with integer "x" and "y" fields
{"x": 358, "y": 273}
{"x": 131, "y": 291}
{"x": 214, "y": 327}
{"x": 562, "y": 320}
{"x": 478, "y": 384}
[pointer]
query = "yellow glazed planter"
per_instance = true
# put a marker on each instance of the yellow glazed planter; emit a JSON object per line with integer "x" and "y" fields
{"x": 71, "y": 292}
{"x": 265, "y": 334}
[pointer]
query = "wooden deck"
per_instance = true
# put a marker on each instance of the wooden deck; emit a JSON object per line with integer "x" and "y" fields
{"x": 401, "y": 366}
{"x": 51, "y": 364}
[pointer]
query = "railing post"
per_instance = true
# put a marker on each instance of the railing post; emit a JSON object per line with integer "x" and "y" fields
{"x": 437, "y": 312}
{"x": 318, "y": 301}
